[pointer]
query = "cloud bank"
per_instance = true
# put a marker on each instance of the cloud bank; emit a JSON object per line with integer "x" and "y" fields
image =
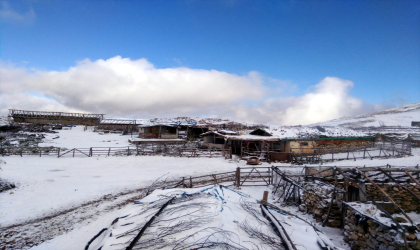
{"x": 8, "y": 14}
{"x": 121, "y": 87}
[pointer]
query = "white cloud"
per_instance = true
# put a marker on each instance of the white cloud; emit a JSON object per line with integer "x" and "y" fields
{"x": 10, "y": 15}
{"x": 121, "y": 87}
{"x": 329, "y": 100}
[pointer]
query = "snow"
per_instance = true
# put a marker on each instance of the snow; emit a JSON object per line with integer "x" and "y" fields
{"x": 77, "y": 137}
{"x": 399, "y": 116}
{"x": 294, "y": 132}
{"x": 47, "y": 185}
{"x": 69, "y": 182}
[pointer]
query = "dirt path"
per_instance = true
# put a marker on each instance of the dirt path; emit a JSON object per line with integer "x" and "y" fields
{"x": 34, "y": 232}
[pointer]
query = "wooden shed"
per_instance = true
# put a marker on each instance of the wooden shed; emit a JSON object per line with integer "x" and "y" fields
{"x": 158, "y": 131}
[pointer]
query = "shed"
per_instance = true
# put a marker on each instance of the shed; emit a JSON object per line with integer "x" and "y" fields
{"x": 158, "y": 131}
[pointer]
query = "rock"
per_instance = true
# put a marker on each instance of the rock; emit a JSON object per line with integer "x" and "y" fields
{"x": 410, "y": 236}
{"x": 361, "y": 243}
{"x": 388, "y": 237}
{"x": 346, "y": 239}
{"x": 354, "y": 236}
{"x": 334, "y": 223}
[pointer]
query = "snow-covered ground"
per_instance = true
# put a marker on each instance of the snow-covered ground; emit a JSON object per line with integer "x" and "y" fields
{"x": 48, "y": 185}
{"x": 77, "y": 137}
{"x": 399, "y": 116}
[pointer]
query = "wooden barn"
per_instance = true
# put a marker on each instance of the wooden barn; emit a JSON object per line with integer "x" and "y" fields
{"x": 158, "y": 131}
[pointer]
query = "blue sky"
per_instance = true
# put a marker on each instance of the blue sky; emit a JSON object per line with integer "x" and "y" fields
{"x": 293, "y": 45}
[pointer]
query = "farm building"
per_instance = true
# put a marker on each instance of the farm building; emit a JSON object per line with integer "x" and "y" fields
{"x": 299, "y": 146}
{"x": 118, "y": 124}
{"x": 158, "y": 131}
{"x": 241, "y": 144}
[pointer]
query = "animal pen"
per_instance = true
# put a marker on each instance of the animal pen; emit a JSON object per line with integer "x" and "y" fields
{"x": 371, "y": 204}
{"x": 319, "y": 155}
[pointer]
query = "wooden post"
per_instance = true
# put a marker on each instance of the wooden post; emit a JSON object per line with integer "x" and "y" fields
{"x": 58, "y": 153}
{"x": 128, "y": 150}
{"x": 265, "y": 198}
{"x": 191, "y": 185}
{"x": 73, "y": 151}
{"x": 408, "y": 173}
{"x": 238, "y": 176}
{"x": 109, "y": 151}
{"x": 40, "y": 151}
{"x": 90, "y": 152}
{"x": 348, "y": 152}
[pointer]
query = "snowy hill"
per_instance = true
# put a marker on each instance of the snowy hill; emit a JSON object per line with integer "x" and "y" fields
{"x": 400, "y": 116}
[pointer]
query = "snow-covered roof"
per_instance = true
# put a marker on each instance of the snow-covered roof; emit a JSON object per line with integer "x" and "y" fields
{"x": 238, "y": 137}
{"x": 296, "y": 132}
{"x": 117, "y": 121}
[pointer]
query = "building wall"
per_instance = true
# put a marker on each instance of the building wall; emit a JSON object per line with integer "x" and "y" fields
{"x": 66, "y": 121}
{"x": 119, "y": 127}
{"x": 402, "y": 197}
{"x": 365, "y": 233}
{"x": 153, "y": 132}
{"x": 298, "y": 147}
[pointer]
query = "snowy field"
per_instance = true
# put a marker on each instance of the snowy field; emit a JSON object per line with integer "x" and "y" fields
{"x": 48, "y": 185}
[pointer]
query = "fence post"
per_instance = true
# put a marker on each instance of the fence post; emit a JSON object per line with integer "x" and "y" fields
{"x": 74, "y": 151}
{"x": 191, "y": 182}
{"x": 58, "y": 153}
{"x": 128, "y": 150}
{"x": 109, "y": 151}
{"x": 238, "y": 176}
{"x": 40, "y": 151}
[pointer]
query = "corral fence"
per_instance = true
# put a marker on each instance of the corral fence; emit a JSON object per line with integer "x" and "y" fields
{"x": 242, "y": 176}
{"x": 138, "y": 150}
{"x": 328, "y": 154}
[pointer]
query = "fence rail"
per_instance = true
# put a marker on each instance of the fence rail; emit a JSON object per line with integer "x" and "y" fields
{"x": 154, "y": 149}
{"x": 326, "y": 154}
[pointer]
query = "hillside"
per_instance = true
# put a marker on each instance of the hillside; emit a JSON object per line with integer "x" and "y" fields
{"x": 400, "y": 116}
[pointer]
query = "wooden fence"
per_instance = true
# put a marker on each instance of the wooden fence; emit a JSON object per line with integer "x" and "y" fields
{"x": 158, "y": 149}
{"x": 243, "y": 176}
{"x": 327, "y": 154}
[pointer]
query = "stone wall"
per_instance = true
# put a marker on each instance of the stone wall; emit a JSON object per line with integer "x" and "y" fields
{"x": 316, "y": 201}
{"x": 364, "y": 233}
{"x": 402, "y": 197}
